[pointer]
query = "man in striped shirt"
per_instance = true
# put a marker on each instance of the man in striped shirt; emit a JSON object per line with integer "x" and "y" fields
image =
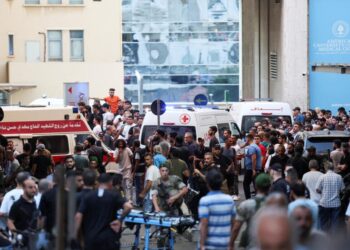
{"x": 216, "y": 214}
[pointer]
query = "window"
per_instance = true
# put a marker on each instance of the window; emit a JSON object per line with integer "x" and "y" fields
{"x": 54, "y": 45}
{"x": 76, "y": 1}
{"x": 32, "y": 2}
{"x": 235, "y": 129}
{"x": 221, "y": 129}
{"x": 249, "y": 120}
{"x": 54, "y": 1}
{"x": 11, "y": 51}
{"x": 195, "y": 44}
{"x": 324, "y": 144}
{"x": 273, "y": 66}
{"x": 148, "y": 131}
{"x": 55, "y": 144}
{"x": 32, "y": 51}
{"x": 77, "y": 45}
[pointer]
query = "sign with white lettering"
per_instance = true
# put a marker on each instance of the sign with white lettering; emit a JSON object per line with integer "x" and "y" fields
{"x": 329, "y": 44}
{"x": 37, "y": 127}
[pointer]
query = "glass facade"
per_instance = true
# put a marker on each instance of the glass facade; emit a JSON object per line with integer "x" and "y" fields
{"x": 181, "y": 48}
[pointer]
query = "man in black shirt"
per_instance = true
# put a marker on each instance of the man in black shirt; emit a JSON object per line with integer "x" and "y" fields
{"x": 299, "y": 162}
{"x": 279, "y": 184}
{"x": 42, "y": 165}
{"x": 27, "y": 152}
{"x": 94, "y": 151}
{"x": 23, "y": 214}
{"x": 185, "y": 153}
{"x": 223, "y": 162}
{"x": 190, "y": 143}
{"x": 199, "y": 182}
{"x": 212, "y": 138}
{"x": 312, "y": 155}
{"x": 220, "y": 160}
{"x": 47, "y": 205}
{"x": 201, "y": 149}
{"x": 89, "y": 179}
{"x": 97, "y": 216}
{"x": 69, "y": 163}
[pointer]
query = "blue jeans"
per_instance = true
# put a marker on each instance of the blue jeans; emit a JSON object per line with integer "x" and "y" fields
{"x": 329, "y": 218}
{"x": 147, "y": 205}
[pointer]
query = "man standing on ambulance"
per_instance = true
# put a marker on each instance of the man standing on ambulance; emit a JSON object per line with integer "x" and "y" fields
{"x": 112, "y": 100}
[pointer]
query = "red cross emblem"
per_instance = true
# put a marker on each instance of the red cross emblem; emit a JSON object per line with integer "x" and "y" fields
{"x": 185, "y": 118}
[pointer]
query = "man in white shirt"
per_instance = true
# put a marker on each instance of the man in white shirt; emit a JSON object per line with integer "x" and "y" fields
{"x": 311, "y": 178}
{"x": 152, "y": 174}
{"x": 107, "y": 115}
{"x": 97, "y": 126}
{"x": 129, "y": 123}
{"x": 337, "y": 154}
{"x": 13, "y": 195}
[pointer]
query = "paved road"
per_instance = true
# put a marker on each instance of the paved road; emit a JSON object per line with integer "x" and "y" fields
{"x": 181, "y": 243}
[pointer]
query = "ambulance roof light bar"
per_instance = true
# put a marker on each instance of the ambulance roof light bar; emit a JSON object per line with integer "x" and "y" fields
{"x": 192, "y": 108}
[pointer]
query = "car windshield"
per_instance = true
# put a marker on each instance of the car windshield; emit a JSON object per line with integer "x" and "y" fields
{"x": 148, "y": 131}
{"x": 248, "y": 121}
{"x": 324, "y": 145}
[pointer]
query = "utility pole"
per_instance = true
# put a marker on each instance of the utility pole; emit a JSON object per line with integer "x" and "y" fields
{"x": 60, "y": 209}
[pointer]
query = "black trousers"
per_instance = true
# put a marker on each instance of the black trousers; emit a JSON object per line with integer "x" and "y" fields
{"x": 232, "y": 183}
{"x": 248, "y": 179}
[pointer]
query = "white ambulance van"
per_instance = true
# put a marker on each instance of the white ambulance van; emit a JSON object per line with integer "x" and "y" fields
{"x": 195, "y": 120}
{"x": 246, "y": 113}
{"x": 61, "y": 128}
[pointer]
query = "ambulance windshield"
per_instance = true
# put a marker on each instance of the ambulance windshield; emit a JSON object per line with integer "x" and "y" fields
{"x": 148, "y": 131}
{"x": 249, "y": 120}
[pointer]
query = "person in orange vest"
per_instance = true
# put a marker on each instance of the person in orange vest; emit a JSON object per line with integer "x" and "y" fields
{"x": 112, "y": 100}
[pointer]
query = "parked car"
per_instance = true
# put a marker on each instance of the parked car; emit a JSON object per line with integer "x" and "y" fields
{"x": 323, "y": 140}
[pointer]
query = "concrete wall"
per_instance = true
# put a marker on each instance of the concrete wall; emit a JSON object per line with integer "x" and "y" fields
{"x": 254, "y": 48}
{"x": 50, "y": 78}
{"x": 102, "y": 67}
{"x": 288, "y": 37}
{"x": 280, "y": 27}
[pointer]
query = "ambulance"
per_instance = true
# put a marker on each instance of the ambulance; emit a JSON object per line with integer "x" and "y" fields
{"x": 196, "y": 120}
{"x": 60, "y": 128}
{"x": 246, "y": 113}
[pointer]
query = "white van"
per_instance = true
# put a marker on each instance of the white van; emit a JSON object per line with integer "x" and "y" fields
{"x": 247, "y": 113}
{"x": 195, "y": 120}
{"x": 60, "y": 128}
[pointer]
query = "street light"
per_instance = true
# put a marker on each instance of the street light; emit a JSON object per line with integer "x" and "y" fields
{"x": 139, "y": 79}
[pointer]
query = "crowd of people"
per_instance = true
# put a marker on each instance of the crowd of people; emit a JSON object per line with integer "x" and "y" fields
{"x": 294, "y": 198}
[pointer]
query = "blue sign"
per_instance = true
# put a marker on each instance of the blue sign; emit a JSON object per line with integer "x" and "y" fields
{"x": 200, "y": 100}
{"x": 154, "y": 108}
{"x": 329, "y": 44}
